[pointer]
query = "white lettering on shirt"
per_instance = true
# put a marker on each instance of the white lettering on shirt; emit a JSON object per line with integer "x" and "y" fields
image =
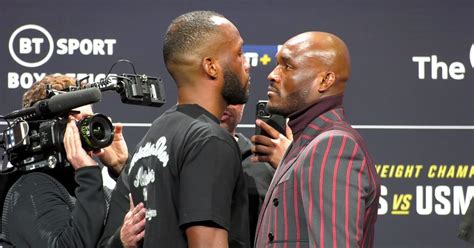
{"x": 158, "y": 150}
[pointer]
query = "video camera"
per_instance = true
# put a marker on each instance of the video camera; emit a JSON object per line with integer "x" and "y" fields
{"x": 34, "y": 139}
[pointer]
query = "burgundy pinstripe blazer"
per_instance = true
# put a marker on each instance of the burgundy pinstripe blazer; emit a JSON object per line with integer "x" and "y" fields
{"x": 325, "y": 192}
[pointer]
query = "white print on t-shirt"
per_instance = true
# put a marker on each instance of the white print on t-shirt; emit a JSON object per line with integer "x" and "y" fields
{"x": 144, "y": 177}
{"x": 145, "y": 194}
{"x": 158, "y": 150}
{"x": 150, "y": 213}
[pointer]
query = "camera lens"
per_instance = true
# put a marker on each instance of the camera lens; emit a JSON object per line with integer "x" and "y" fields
{"x": 96, "y": 132}
{"x": 262, "y": 113}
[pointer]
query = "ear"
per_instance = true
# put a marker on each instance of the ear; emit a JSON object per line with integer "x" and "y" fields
{"x": 210, "y": 66}
{"x": 328, "y": 80}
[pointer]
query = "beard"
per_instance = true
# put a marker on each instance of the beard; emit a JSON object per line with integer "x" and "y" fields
{"x": 233, "y": 92}
{"x": 290, "y": 104}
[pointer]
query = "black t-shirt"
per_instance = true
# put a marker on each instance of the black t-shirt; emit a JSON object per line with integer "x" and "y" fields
{"x": 187, "y": 171}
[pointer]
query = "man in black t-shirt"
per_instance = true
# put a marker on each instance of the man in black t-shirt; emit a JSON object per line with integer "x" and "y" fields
{"x": 186, "y": 170}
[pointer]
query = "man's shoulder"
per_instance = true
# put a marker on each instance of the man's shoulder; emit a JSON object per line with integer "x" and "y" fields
{"x": 338, "y": 134}
{"x": 37, "y": 179}
{"x": 340, "y": 129}
{"x": 175, "y": 122}
{"x": 191, "y": 117}
{"x": 204, "y": 128}
{"x": 38, "y": 183}
{"x": 188, "y": 126}
{"x": 330, "y": 125}
{"x": 210, "y": 133}
{"x": 35, "y": 187}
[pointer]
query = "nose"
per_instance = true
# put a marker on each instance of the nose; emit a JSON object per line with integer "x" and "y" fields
{"x": 273, "y": 76}
{"x": 246, "y": 65}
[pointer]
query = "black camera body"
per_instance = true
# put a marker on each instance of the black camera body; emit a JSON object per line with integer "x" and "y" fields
{"x": 141, "y": 90}
{"x": 34, "y": 137}
{"x": 37, "y": 144}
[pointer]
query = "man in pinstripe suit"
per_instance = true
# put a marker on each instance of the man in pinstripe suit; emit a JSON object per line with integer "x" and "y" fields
{"x": 325, "y": 192}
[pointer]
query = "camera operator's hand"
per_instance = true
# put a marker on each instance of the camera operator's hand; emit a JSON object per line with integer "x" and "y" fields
{"x": 76, "y": 155}
{"x": 270, "y": 149}
{"x": 115, "y": 156}
{"x": 133, "y": 227}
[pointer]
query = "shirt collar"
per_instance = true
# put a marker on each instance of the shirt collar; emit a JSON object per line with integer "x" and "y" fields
{"x": 195, "y": 110}
{"x": 300, "y": 119}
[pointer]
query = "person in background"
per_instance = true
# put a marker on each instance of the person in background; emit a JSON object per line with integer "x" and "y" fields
{"x": 64, "y": 206}
{"x": 258, "y": 175}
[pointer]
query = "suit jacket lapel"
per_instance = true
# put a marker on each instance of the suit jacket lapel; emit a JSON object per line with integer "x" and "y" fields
{"x": 315, "y": 128}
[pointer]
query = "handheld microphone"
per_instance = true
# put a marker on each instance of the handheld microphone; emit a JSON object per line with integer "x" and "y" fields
{"x": 58, "y": 104}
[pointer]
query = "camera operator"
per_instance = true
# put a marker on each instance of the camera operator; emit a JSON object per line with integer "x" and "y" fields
{"x": 64, "y": 206}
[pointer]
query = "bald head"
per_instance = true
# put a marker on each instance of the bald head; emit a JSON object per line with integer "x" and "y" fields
{"x": 310, "y": 66}
{"x": 330, "y": 53}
